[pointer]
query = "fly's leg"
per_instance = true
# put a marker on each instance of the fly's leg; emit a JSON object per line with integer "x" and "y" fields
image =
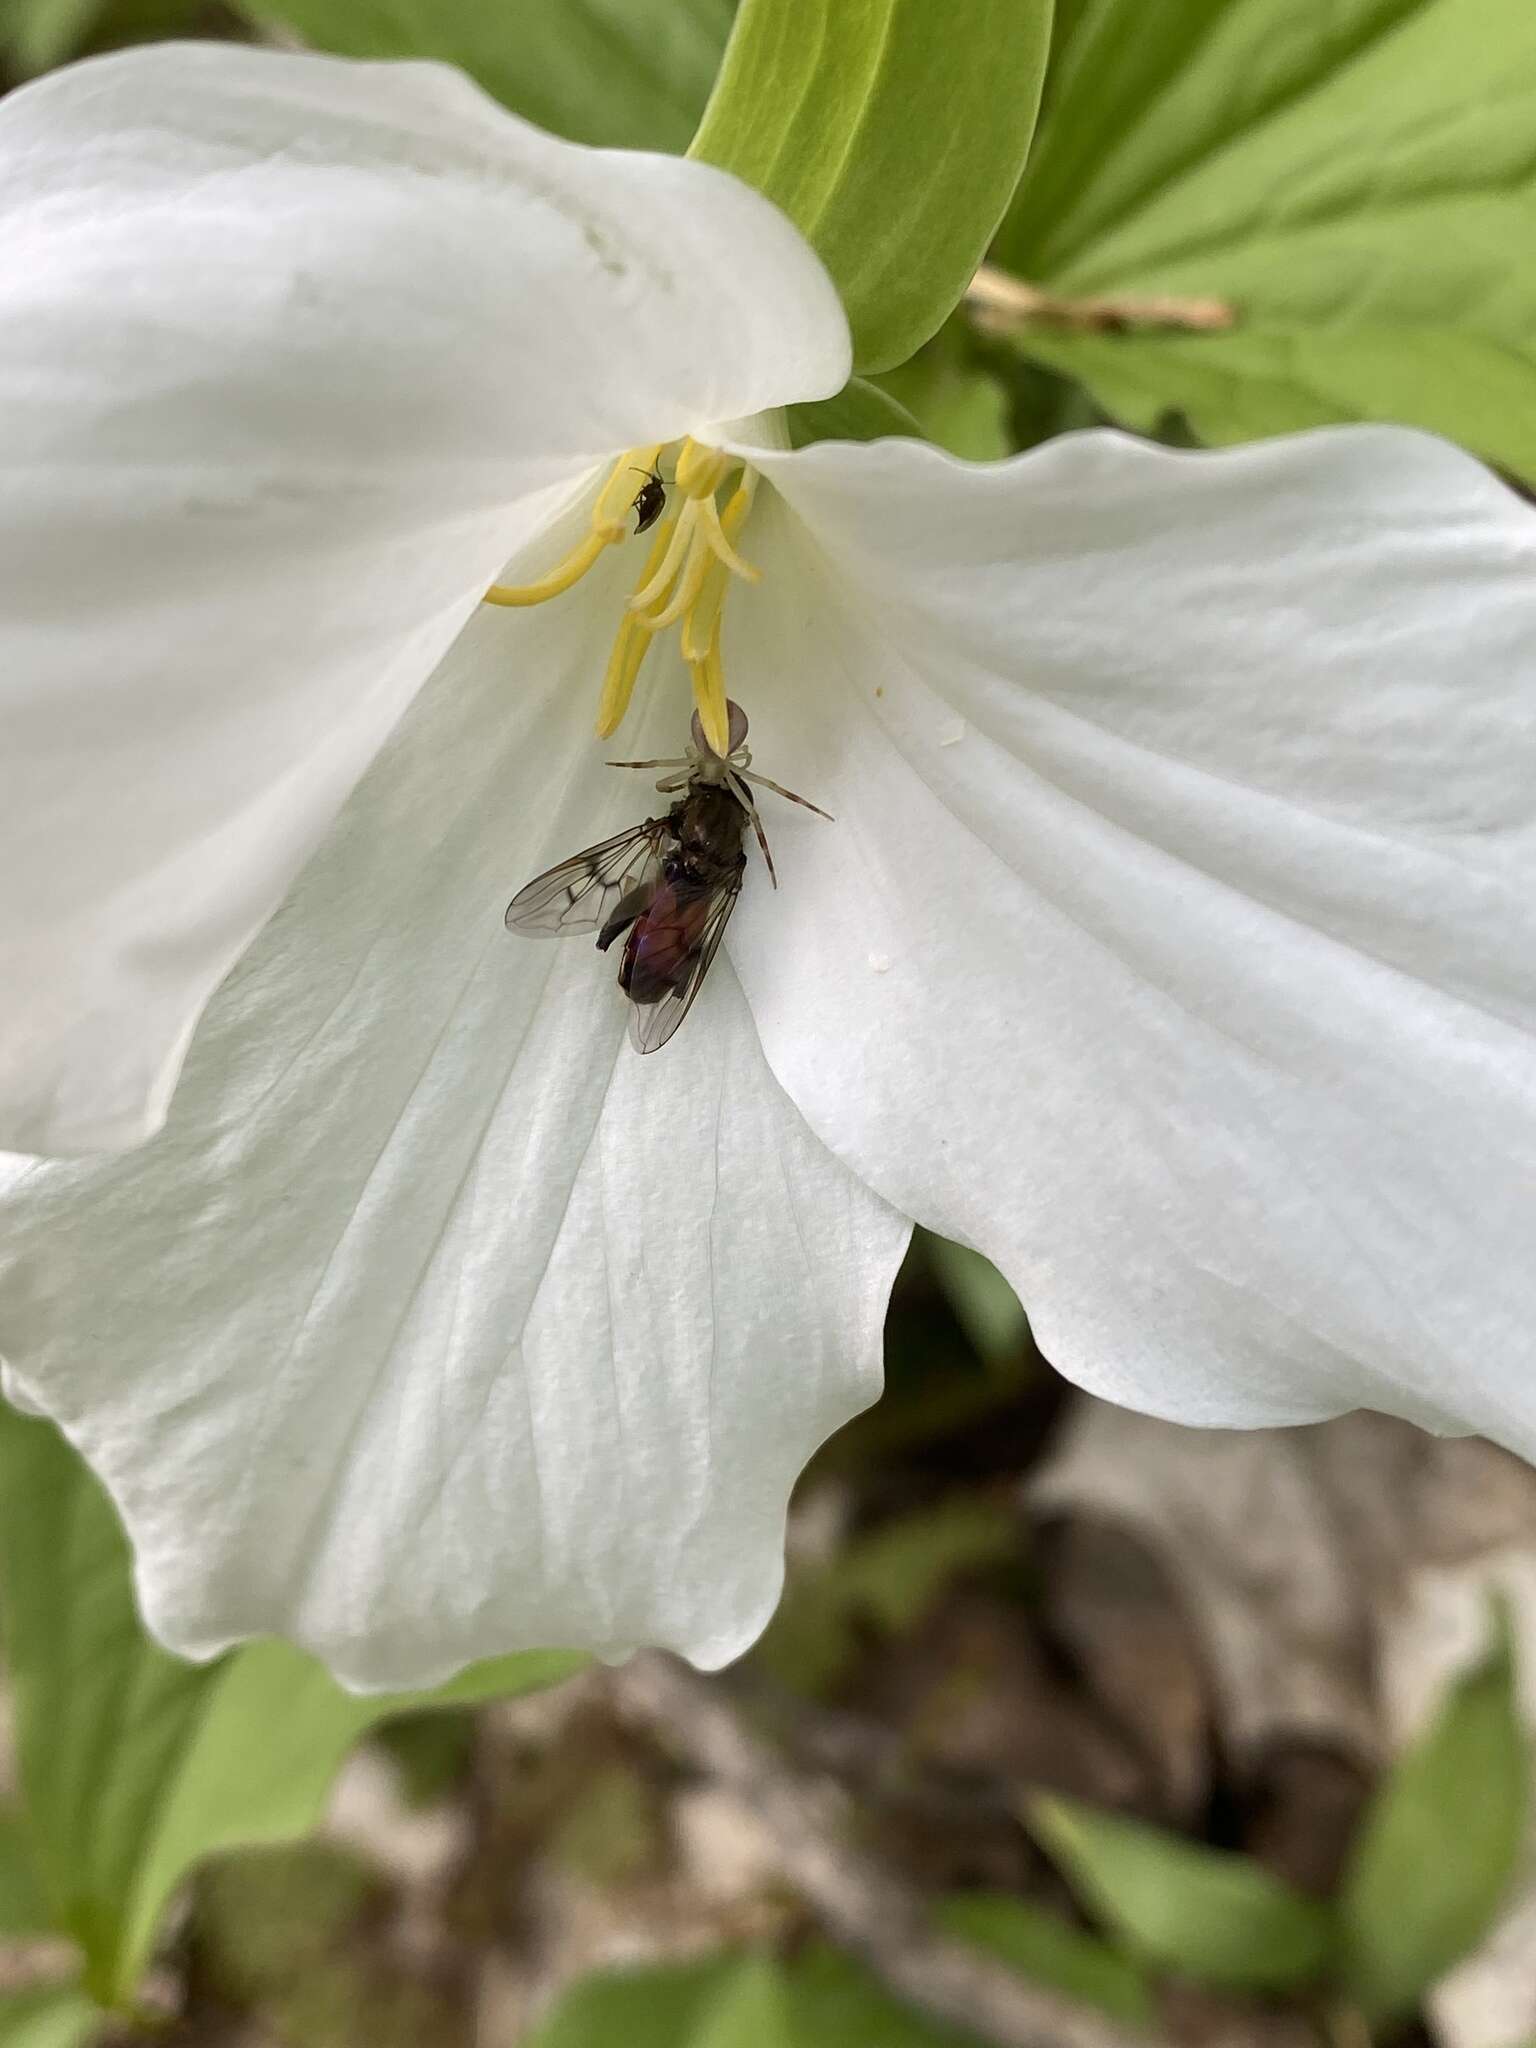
{"x": 743, "y": 796}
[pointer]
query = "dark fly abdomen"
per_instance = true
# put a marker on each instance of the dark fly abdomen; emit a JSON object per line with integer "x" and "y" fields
{"x": 661, "y": 947}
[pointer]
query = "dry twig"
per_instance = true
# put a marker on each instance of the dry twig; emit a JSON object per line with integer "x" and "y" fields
{"x": 1000, "y": 304}
{"x": 860, "y": 1903}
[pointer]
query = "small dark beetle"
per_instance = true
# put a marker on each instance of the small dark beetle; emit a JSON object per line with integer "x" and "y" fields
{"x": 650, "y": 499}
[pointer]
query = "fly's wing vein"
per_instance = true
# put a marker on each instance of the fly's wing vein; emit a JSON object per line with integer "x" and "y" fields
{"x": 581, "y": 894}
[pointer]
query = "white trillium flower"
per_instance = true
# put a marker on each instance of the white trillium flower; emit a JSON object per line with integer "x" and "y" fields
{"x": 1174, "y": 944}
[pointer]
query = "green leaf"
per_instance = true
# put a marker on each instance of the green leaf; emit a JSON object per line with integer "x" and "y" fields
{"x": 258, "y": 1762}
{"x": 1048, "y": 1952}
{"x": 135, "y": 1764}
{"x": 652, "y": 2008}
{"x": 748, "y": 2009}
{"x": 37, "y": 34}
{"x": 834, "y": 2002}
{"x": 23, "y": 1903}
{"x": 985, "y": 1306}
{"x": 1355, "y": 178}
{"x": 1439, "y": 1843}
{"x": 860, "y": 412}
{"x": 958, "y": 402}
{"x": 1201, "y": 1913}
{"x": 820, "y": 1997}
{"x": 42, "y": 33}
{"x": 59, "y": 2017}
{"x": 892, "y": 132}
{"x": 630, "y": 74}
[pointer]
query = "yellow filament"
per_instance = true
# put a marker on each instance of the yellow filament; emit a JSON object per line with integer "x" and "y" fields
{"x": 630, "y": 647}
{"x": 561, "y": 577}
{"x": 705, "y": 610}
{"x": 661, "y": 547}
{"x": 699, "y": 622}
{"x": 654, "y": 587}
{"x": 689, "y": 584}
{"x": 709, "y": 694}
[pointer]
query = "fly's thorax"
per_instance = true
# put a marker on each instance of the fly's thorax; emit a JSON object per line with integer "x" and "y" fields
{"x": 686, "y": 575}
{"x": 709, "y": 824}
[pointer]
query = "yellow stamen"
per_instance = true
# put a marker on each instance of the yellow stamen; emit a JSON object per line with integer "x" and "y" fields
{"x": 687, "y": 572}
{"x": 561, "y": 577}
{"x": 630, "y": 647}
{"x": 719, "y": 536}
{"x": 703, "y": 612}
{"x": 709, "y": 695}
{"x": 691, "y": 582}
{"x": 617, "y": 498}
{"x": 701, "y": 470}
{"x": 614, "y": 503}
{"x": 631, "y": 644}
{"x": 653, "y": 590}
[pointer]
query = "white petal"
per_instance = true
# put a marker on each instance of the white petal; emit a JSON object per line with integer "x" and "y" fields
{"x": 292, "y": 354}
{"x": 1176, "y": 941}
{"x": 437, "y": 1322}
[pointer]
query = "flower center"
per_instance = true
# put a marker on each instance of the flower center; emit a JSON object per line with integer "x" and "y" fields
{"x": 686, "y": 575}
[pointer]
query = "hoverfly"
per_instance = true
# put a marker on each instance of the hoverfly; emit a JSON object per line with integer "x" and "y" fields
{"x": 667, "y": 886}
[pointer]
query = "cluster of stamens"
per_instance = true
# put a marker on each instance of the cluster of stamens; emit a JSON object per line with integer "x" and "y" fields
{"x": 686, "y": 574}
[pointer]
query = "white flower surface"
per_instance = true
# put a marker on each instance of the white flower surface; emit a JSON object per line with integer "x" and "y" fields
{"x": 1173, "y": 943}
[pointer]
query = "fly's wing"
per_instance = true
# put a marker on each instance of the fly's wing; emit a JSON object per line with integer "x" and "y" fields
{"x": 581, "y": 894}
{"x": 652, "y": 1024}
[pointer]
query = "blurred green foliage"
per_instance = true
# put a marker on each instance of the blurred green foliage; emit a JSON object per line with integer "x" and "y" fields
{"x": 58, "y": 2016}
{"x": 135, "y": 1764}
{"x": 1354, "y": 178}
{"x": 627, "y": 74}
{"x": 884, "y": 1581}
{"x": 1440, "y": 1842}
{"x": 1197, "y": 1912}
{"x": 819, "y": 1997}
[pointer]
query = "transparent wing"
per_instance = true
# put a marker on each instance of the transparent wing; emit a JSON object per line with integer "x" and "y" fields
{"x": 652, "y": 1024}
{"x": 582, "y": 893}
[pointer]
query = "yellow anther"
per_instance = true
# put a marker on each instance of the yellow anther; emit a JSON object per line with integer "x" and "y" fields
{"x": 610, "y": 514}
{"x": 716, "y": 538}
{"x": 631, "y": 644}
{"x": 701, "y": 470}
{"x": 709, "y": 694}
{"x": 617, "y": 498}
{"x": 561, "y": 577}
